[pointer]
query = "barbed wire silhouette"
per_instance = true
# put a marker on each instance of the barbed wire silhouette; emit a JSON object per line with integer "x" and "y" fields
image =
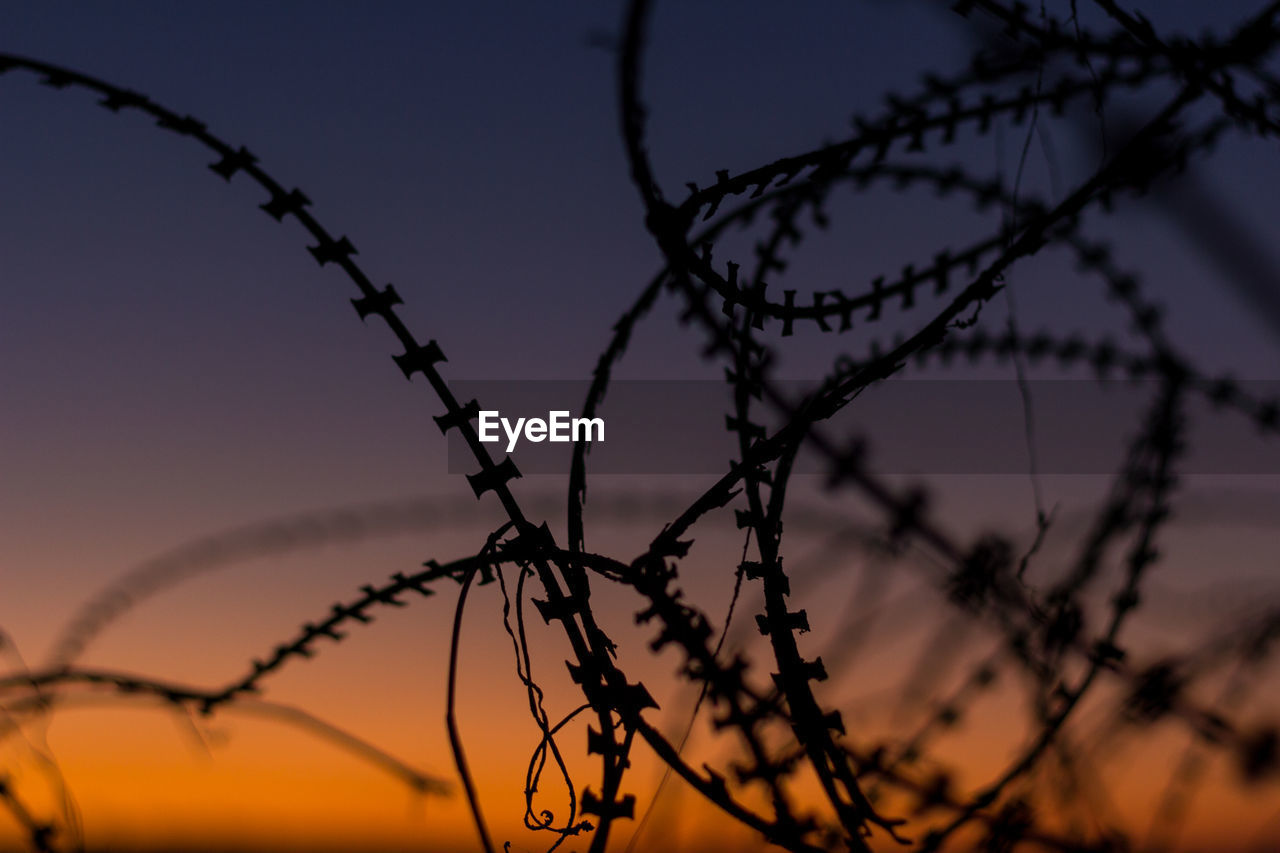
{"x": 801, "y": 775}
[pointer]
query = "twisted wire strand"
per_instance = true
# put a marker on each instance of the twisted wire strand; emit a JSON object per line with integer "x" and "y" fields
{"x": 1039, "y": 629}
{"x": 591, "y": 646}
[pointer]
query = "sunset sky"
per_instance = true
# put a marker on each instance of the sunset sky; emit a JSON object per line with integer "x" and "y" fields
{"x": 174, "y": 365}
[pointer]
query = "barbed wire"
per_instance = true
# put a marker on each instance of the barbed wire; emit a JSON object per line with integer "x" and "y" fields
{"x": 789, "y": 735}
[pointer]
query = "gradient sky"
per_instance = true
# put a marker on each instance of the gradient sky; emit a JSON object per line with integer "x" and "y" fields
{"x": 173, "y": 363}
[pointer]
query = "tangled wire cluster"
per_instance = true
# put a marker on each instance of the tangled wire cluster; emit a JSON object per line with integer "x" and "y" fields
{"x": 803, "y": 777}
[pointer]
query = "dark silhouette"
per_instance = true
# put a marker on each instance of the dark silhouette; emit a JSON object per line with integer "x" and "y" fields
{"x": 1059, "y": 627}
